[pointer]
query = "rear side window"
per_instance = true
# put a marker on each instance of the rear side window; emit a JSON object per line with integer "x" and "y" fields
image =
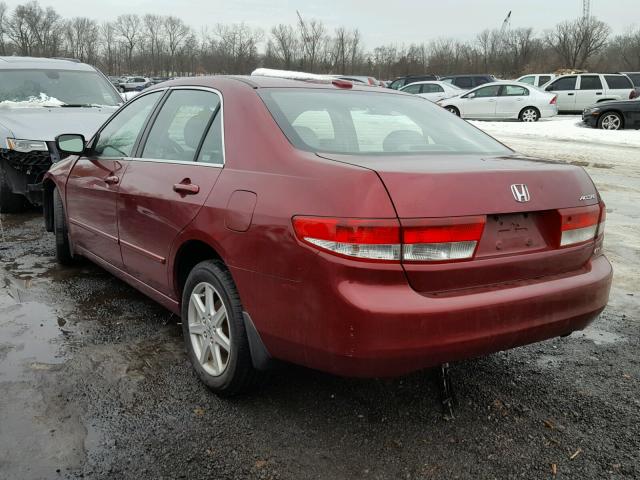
{"x": 543, "y": 79}
{"x": 530, "y": 80}
{"x": 432, "y": 88}
{"x": 566, "y": 83}
{"x": 481, "y": 80}
{"x": 635, "y": 78}
{"x": 212, "y": 147}
{"x": 180, "y": 125}
{"x": 618, "y": 82}
{"x": 463, "y": 82}
{"x": 397, "y": 84}
{"x": 371, "y": 123}
{"x": 590, "y": 82}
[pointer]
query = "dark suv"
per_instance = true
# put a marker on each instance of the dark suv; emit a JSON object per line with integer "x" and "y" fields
{"x": 467, "y": 82}
{"x": 398, "y": 83}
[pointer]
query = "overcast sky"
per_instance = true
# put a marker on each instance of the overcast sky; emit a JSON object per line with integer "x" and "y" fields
{"x": 379, "y": 21}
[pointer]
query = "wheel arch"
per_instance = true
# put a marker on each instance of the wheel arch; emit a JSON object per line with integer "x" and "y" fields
{"x": 48, "y": 186}
{"x": 187, "y": 255}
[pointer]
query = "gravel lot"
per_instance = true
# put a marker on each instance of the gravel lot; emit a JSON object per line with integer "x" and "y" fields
{"x": 94, "y": 383}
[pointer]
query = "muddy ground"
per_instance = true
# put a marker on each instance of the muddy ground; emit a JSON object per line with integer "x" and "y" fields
{"x": 94, "y": 383}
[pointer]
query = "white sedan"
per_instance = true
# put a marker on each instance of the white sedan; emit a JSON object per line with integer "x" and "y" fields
{"x": 503, "y": 100}
{"x": 432, "y": 90}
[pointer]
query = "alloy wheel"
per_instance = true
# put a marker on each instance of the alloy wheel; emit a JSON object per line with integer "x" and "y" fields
{"x": 529, "y": 115}
{"x": 611, "y": 122}
{"x": 209, "y": 330}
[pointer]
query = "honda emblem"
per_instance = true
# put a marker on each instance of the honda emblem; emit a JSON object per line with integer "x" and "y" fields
{"x": 520, "y": 192}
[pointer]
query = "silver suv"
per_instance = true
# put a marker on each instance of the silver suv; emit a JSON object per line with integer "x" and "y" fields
{"x": 578, "y": 91}
{"x": 40, "y": 99}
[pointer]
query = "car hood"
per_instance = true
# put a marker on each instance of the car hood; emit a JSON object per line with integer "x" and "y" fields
{"x": 47, "y": 123}
{"x": 618, "y": 103}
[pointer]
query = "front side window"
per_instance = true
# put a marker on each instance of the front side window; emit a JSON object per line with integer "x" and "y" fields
{"x": 514, "y": 91}
{"x": 566, "y": 83}
{"x": 415, "y": 88}
{"x": 590, "y": 82}
{"x": 49, "y": 87}
{"x": 179, "y": 127}
{"x": 618, "y": 82}
{"x": 397, "y": 84}
{"x": 372, "y": 123}
{"x": 118, "y": 138}
{"x": 491, "y": 91}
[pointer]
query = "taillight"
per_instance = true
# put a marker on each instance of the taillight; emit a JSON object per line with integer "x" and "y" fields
{"x": 554, "y": 100}
{"x": 579, "y": 224}
{"x": 441, "y": 239}
{"x": 417, "y": 240}
{"x": 369, "y": 239}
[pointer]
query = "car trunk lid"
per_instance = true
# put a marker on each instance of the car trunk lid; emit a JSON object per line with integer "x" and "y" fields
{"x": 520, "y": 198}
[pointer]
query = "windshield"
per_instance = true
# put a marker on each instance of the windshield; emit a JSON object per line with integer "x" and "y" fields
{"x": 372, "y": 123}
{"x": 55, "y": 88}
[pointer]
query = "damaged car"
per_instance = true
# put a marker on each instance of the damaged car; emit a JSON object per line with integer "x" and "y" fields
{"x": 39, "y": 99}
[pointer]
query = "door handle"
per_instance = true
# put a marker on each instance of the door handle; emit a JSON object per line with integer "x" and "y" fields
{"x": 598, "y": 93}
{"x": 186, "y": 188}
{"x": 571, "y": 94}
{"x": 112, "y": 180}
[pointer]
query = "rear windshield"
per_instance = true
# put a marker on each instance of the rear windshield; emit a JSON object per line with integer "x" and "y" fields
{"x": 372, "y": 123}
{"x": 55, "y": 88}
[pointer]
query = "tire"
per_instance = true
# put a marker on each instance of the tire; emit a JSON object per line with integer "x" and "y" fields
{"x": 453, "y": 110}
{"x": 10, "y": 202}
{"x": 225, "y": 371}
{"x": 63, "y": 247}
{"x": 529, "y": 114}
{"x": 611, "y": 121}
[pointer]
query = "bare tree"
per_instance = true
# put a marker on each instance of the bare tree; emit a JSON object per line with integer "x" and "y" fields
{"x": 108, "y": 42}
{"x": 284, "y": 45}
{"x": 577, "y": 42}
{"x": 3, "y": 27}
{"x": 128, "y": 27}
{"x": 176, "y": 31}
{"x": 313, "y": 35}
{"x": 154, "y": 25}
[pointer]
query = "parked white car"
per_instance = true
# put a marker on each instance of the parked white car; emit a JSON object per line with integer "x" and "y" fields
{"x": 537, "y": 79}
{"x": 503, "y": 101}
{"x": 432, "y": 90}
{"x": 576, "y": 92}
{"x": 129, "y": 84}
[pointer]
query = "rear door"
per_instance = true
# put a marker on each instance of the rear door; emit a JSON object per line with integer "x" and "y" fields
{"x": 94, "y": 181}
{"x": 511, "y": 101}
{"x": 590, "y": 90}
{"x": 178, "y": 162}
{"x": 565, "y": 88}
{"x": 481, "y": 103}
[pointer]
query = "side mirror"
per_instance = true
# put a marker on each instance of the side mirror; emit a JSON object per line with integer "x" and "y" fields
{"x": 70, "y": 143}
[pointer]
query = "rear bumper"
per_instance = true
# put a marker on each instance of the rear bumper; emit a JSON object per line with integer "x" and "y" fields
{"x": 389, "y": 330}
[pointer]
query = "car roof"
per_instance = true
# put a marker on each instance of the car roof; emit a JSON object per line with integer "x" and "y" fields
{"x": 20, "y": 63}
{"x": 258, "y": 81}
{"x": 467, "y": 75}
{"x": 424, "y": 82}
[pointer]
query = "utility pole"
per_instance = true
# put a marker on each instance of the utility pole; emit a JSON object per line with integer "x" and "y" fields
{"x": 586, "y": 9}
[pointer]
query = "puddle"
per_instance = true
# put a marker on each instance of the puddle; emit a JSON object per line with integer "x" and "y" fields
{"x": 30, "y": 334}
{"x": 600, "y": 337}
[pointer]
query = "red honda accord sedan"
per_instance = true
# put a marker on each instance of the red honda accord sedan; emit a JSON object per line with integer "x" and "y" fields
{"x": 353, "y": 230}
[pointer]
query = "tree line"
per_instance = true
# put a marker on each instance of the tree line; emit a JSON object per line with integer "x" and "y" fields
{"x": 159, "y": 45}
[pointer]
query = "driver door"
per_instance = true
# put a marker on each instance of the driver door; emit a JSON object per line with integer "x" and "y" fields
{"x": 481, "y": 103}
{"x": 94, "y": 181}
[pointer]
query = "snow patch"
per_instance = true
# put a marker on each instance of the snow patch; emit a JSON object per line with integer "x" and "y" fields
{"x": 269, "y": 72}
{"x": 43, "y": 100}
{"x": 563, "y": 128}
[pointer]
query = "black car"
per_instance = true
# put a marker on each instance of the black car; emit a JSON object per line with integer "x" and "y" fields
{"x": 467, "y": 82}
{"x": 614, "y": 115}
{"x": 400, "y": 82}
